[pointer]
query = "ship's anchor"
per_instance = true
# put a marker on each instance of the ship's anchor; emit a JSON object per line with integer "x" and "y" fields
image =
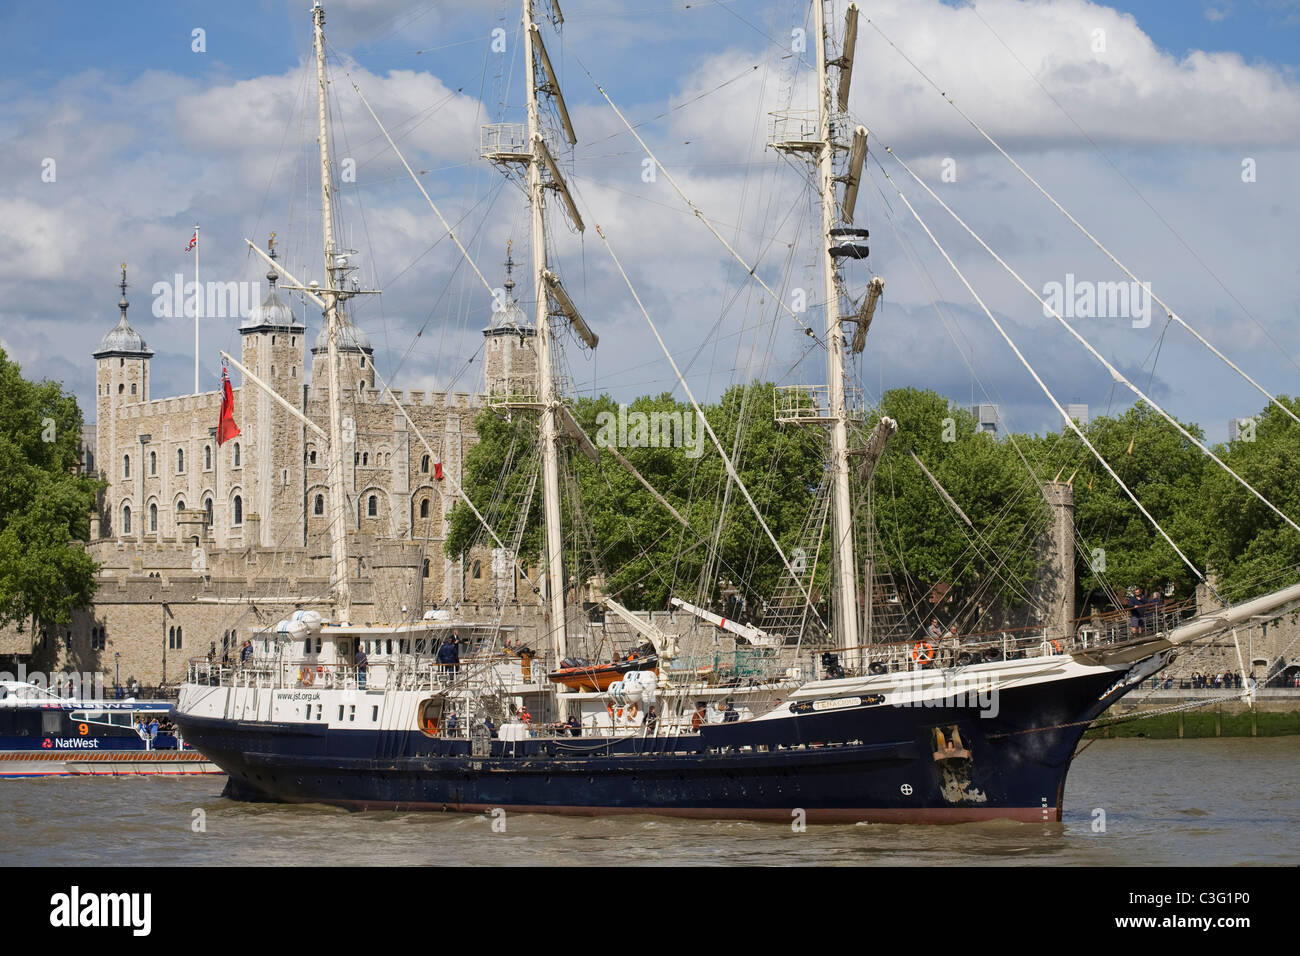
{"x": 950, "y": 747}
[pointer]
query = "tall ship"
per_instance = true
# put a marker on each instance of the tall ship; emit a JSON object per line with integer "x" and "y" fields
{"x": 437, "y": 713}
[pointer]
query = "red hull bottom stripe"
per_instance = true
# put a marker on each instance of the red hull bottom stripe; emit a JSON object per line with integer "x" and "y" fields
{"x": 837, "y": 815}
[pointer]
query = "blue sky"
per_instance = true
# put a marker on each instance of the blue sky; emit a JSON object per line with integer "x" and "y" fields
{"x": 150, "y": 137}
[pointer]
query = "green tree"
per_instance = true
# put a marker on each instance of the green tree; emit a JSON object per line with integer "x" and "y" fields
{"x": 1250, "y": 548}
{"x": 923, "y": 538}
{"x": 622, "y": 532}
{"x": 45, "y": 504}
{"x": 1165, "y": 471}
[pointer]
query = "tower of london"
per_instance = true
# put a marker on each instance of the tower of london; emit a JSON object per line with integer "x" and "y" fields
{"x": 198, "y": 542}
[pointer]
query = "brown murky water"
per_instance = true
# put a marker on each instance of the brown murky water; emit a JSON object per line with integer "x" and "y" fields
{"x": 1193, "y": 802}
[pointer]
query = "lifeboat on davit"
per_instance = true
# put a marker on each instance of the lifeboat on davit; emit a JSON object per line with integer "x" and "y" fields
{"x": 577, "y": 674}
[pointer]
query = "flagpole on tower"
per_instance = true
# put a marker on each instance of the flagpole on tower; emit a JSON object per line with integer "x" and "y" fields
{"x": 198, "y": 300}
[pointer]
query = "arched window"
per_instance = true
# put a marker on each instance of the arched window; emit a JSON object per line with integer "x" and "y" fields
{"x": 424, "y": 507}
{"x": 153, "y": 518}
{"x": 312, "y": 458}
{"x": 126, "y": 519}
{"x": 477, "y": 571}
{"x": 365, "y": 458}
{"x": 207, "y": 457}
{"x": 180, "y": 460}
{"x": 126, "y": 466}
{"x": 236, "y": 454}
{"x": 319, "y": 507}
{"x": 207, "y": 506}
{"x": 239, "y": 510}
{"x": 424, "y": 465}
{"x": 133, "y": 388}
{"x": 171, "y": 638}
{"x": 179, "y": 638}
{"x": 372, "y": 507}
{"x": 121, "y": 389}
{"x": 426, "y": 567}
{"x": 153, "y": 463}
{"x": 180, "y": 505}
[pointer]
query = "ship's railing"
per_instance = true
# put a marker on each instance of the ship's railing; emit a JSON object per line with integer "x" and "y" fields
{"x": 505, "y": 142}
{"x": 812, "y": 403}
{"x": 794, "y": 129}
{"x": 400, "y": 672}
{"x": 923, "y": 651}
{"x": 741, "y": 667}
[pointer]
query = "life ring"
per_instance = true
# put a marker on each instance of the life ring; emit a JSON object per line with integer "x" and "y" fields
{"x": 1056, "y": 646}
{"x": 632, "y": 711}
{"x": 923, "y": 652}
{"x": 307, "y": 676}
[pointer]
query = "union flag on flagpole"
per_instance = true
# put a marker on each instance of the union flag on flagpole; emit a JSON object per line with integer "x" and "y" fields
{"x": 194, "y": 241}
{"x": 226, "y": 427}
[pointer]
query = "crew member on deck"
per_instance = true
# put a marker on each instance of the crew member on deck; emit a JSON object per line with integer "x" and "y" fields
{"x": 449, "y": 657}
{"x": 360, "y": 660}
{"x": 700, "y": 717}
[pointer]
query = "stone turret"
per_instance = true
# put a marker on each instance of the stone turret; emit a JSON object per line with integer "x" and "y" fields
{"x": 511, "y": 354}
{"x": 121, "y": 379}
{"x": 274, "y": 347}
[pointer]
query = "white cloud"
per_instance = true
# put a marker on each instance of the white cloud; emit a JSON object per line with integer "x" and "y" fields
{"x": 140, "y": 160}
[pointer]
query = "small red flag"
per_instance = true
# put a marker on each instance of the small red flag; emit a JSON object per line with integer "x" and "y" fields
{"x": 437, "y": 471}
{"x": 194, "y": 241}
{"x": 226, "y": 427}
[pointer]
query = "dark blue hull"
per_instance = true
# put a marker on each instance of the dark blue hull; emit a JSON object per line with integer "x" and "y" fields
{"x": 874, "y": 763}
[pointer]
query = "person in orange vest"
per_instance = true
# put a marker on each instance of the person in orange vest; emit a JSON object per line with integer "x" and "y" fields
{"x": 700, "y": 717}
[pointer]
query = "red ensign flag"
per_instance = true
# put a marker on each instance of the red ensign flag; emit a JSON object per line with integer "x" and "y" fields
{"x": 226, "y": 427}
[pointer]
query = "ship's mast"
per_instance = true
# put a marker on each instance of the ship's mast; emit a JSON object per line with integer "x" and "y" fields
{"x": 546, "y": 378}
{"x": 331, "y": 295}
{"x": 846, "y": 591}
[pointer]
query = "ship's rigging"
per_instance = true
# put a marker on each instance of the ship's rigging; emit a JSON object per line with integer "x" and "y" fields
{"x": 840, "y": 708}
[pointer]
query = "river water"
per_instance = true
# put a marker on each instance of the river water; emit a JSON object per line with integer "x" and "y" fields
{"x": 1220, "y": 802}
